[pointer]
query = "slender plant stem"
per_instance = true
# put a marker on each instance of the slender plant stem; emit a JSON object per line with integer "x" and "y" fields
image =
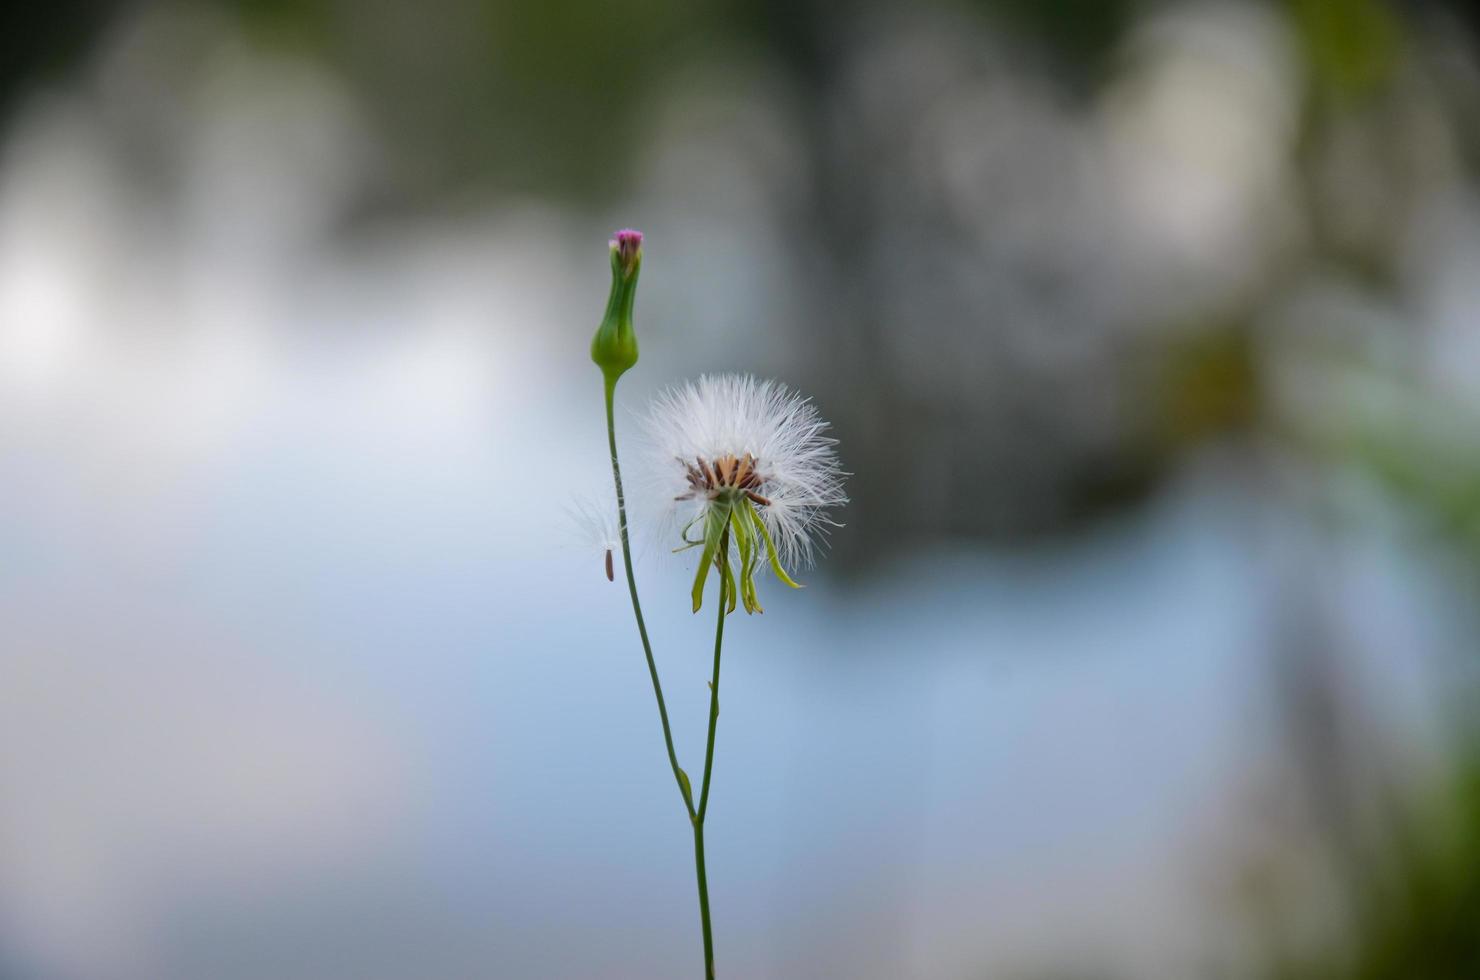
{"x": 703, "y": 900}
{"x": 678, "y": 774}
{"x": 719, "y": 637}
{"x": 696, "y": 816}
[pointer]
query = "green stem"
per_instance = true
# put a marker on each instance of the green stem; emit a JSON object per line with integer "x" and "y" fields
{"x": 703, "y": 900}
{"x": 719, "y": 638}
{"x": 679, "y": 776}
{"x": 696, "y": 817}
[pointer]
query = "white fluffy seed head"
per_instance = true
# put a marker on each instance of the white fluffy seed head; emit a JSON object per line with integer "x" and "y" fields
{"x": 797, "y": 482}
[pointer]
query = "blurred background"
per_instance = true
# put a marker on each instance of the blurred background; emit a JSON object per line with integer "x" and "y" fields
{"x": 1150, "y": 331}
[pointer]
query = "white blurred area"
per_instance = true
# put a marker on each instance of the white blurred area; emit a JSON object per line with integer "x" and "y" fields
{"x": 223, "y": 431}
{"x": 298, "y": 682}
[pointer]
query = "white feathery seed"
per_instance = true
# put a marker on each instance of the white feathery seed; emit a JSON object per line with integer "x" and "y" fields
{"x": 797, "y": 477}
{"x": 593, "y": 523}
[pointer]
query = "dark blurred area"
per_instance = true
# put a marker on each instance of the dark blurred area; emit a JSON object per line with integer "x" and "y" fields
{"x": 1073, "y": 279}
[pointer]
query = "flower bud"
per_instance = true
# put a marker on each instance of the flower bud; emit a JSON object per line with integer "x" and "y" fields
{"x": 614, "y": 348}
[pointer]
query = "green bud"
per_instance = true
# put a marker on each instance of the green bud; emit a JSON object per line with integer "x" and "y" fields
{"x": 614, "y": 348}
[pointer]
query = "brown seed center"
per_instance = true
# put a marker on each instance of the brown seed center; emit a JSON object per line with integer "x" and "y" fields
{"x": 727, "y": 472}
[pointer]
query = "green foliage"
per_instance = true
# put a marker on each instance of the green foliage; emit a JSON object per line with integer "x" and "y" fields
{"x": 1351, "y": 45}
{"x": 1417, "y": 913}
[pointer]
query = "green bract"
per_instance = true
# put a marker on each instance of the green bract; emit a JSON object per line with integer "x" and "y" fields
{"x": 731, "y": 513}
{"x": 614, "y": 348}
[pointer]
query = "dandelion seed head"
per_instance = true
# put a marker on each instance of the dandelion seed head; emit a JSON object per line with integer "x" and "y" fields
{"x": 729, "y": 435}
